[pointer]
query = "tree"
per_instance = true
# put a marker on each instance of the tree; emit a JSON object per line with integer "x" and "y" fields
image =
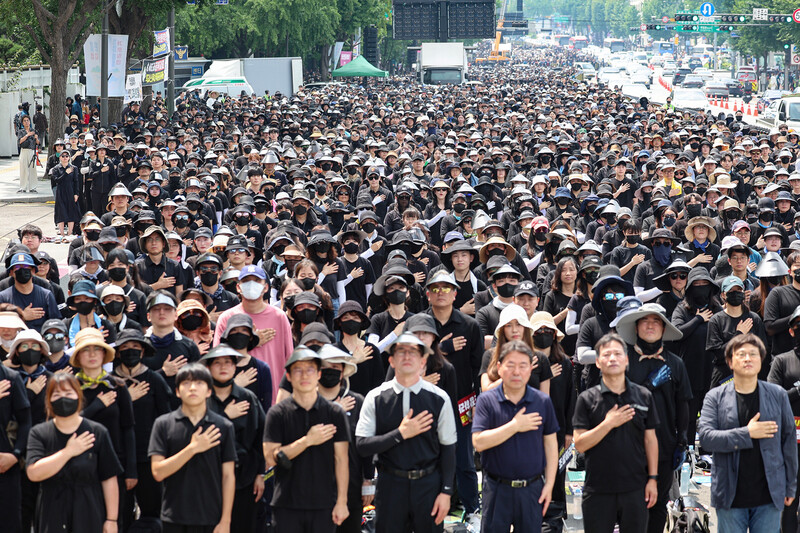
{"x": 59, "y": 28}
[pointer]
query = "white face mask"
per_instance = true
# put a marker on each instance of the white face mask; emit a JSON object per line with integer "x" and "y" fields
{"x": 251, "y": 290}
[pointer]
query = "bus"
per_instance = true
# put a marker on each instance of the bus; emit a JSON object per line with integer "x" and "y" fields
{"x": 663, "y": 47}
{"x": 561, "y": 40}
{"x": 615, "y": 45}
{"x": 579, "y": 42}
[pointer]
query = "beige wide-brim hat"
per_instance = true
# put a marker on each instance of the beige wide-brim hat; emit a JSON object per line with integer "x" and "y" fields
{"x": 700, "y": 221}
{"x": 544, "y": 319}
{"x": 90, "y": 337}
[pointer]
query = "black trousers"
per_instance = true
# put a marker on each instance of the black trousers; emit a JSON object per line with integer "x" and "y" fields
{"x": 30, "y": 493}
{"x": 353, "y": 522}
{"x": 301, "y": 521}
{"x": 695, "y": 405}
{"x": 243, "y": 517}
{"x": 602, "y": 510}
{"x": 11, "y": 500}
{"x": 789, "y": 522}
{"x": 146, "y": 493}
{"x": 658, "y": 512}
{"x": 403, "y": 505}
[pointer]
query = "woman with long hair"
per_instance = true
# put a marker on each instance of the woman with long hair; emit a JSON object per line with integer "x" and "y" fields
{"x": 562, "y": 289}
{"x": 74, "y": 460}
{"x": 514, "y": 325}
{"x": 306, "y": 274}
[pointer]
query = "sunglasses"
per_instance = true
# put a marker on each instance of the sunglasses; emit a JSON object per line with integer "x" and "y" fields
{"x": 678, "y": 275}
{"x": 209, "y": 270}
{"x": 373, "y": 178}
{"x": 613, "y": 296}
{"x": 54, "y": 336}
{"x": 442, "y": 290}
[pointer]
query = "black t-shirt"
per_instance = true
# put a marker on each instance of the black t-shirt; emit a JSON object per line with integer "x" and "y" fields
{"x": 752, "y": 489}
{"x": 147, "y": 408}
{"x": 356, "y": 290}
{"x": 288, "y": 422}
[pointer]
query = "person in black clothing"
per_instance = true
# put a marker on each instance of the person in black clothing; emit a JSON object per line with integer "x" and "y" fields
{"x": 155, "y": 268}
{"x": 359, "y": 274}
{"x": 251, "y": 373}
{"x": 193, "y": 452}
{"x": 387, "y": 325}
{"x": 306, "y": 437}
{"x": 151, "y": 398}
{"x": 243, "y": 409}
{"x": 673, "y": 284}
{"x": 208, "y": 267}
{"x": 646, "y": 329}
{"x": 785, "y": 371}
{"x": 351, "y": 321}
{"x": 117, "y": 266}
{"x": 661, "y": 241}
{"x": 408, "y": 423}
{"x": 615, "y": 426}
{"x": 73, "y": 459}
{"x": 84, "y": 300}
{"x": 779, "y": 306}
{"x": 459, "y": 259}
{"x": 108, "y": 403}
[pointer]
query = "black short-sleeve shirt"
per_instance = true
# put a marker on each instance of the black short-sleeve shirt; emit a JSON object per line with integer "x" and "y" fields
{"x": 617, "y": 463}
{"x": 287, "y": 422}
{"x": 192, "y": 495}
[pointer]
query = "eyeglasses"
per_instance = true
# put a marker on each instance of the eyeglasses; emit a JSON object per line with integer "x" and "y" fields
{"x": 209, "y": 270}
{"x": 678, "y": 275}
{"x": 54, "y": 336}
{"x": 442, "y": 290}
{"x": 609, "y": 296}
{"x": 29, "y": 346}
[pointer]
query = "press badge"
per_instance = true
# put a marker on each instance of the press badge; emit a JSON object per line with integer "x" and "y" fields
{"x": 797, "y": 427}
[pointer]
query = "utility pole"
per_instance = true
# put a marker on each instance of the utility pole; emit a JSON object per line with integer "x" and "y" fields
{"x": 171, "y": 60}
{"x": 104, "y": 71}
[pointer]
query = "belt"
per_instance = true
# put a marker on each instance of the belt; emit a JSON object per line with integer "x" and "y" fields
{"x": 409, "y": 474}
{"x": 515, "y": 483}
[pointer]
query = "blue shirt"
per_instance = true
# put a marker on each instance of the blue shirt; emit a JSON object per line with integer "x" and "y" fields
{"x": 521, "y": 456}
{"x": 40, "y": 297}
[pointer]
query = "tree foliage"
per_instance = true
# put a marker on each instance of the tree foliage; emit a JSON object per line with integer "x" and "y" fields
{"x": 597, "y": 19}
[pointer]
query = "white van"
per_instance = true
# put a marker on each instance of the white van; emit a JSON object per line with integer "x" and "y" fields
{"x": 229, "y": 86}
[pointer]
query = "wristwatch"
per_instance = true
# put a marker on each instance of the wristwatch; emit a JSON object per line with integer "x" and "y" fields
{"x": 653, "y": 477}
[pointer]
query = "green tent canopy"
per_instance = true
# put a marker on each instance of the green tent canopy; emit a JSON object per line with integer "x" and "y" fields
{"x": 359, "y": 67}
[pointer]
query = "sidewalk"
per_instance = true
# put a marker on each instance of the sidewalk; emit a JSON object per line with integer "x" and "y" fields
{"x": 9, "y": 182}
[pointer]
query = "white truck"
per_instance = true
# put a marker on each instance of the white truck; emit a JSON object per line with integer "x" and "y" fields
{"x": 442, "y": 63}
{"x": 273, "y": 74}
{"x": 785, "y": 110}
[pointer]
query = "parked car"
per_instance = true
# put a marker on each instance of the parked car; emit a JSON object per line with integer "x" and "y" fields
{"x": 734, "y": 88}
{"x": 716, "y": 89}
{"x": 692, "y": 82}
{"x": 768, "y": 97}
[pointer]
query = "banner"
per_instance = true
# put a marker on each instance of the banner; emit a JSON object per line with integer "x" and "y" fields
{"x": 161, "y": 43}
{"x": 345, "y": 58}
{"x": 181, "y": 53}
{"x": 133, "y": 88}
{"x": 154, "y": 71}
{"x": 117, "y": 59}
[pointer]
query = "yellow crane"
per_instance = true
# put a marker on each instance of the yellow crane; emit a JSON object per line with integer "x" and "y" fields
{"x": 495, "y": 54}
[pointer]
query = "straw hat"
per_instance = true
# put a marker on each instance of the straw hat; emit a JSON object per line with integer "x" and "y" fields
{"x": 544, "y": 319}
{"x": 700, "y": 221}
{"x": 90, "y": 337}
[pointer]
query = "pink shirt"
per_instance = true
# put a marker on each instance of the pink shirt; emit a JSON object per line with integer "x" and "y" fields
{"x": 277, "y": 351}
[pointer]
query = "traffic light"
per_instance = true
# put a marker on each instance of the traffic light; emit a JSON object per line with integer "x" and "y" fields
{"x": 654, "y": 26}
{"x": 371, "y": 45}
{"x": 726, "y": 28}
{"x": 779, "y": 18}
{"x": 733, "y": 18}
{"x": 686, "y": 17}
{"x": 786, "y": 46}
{"x": 690, "y": 27}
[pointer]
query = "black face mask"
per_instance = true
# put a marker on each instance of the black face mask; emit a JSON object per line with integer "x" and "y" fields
{"x": 735, "y": 298}
{"x": 131, "y": 357}
{"x": 351, "y": 327}
{"x": 23, "y": 275}
{"x": 796, "y": 276}
{"x": 84, "y": 308}
{"x": 648, "y": 348}
{"x": 496, "y": 251}
{"x": 767, "y": 217}
{"x": 693, "y": 209}
{"x": 330, "y": 377}
{"x": 796, "y": 340}
{"x": 243, "y": 220}
{"x": 92, "y": 236}
{"x": 114, "y": 308}
{"x": 306, "y": 316}
{"x": 56, "y": 345}
{"x": 30, "y": 357}
{"x": 307, "y": 283}
{"x": 322, "y": 248}
{"x": 609, "y": 309}
{"x": 64, "y": 406}
{"x": 181, "y": 223}
{"x": 700, "y": 293}
{"x": 701, "y": 191}
{"x": 238, "y": 341}
{"x": 368, "y": 227}
{"x": 121, "y": 231}
{"x": 459, "y": 208}
{"x": 351, "y": 248}
{"x": 284, "y": 215}
{"x": 191, "y": 322}
{"x": 223, "y": 384}
{"x": 321, "y": 189}
{"x": 209, "y": 279}
{"x": 591, "y": 276}
{"x": 300, "y": 210}
{"x": 261, "y": 208}
{"x": 117, "y": 273}
{"x": 543, "y": 340}
{"x": 396, "y": 297}
{"x": 506, "y": 290}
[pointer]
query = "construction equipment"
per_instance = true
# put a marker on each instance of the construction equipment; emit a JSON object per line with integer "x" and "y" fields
{"x": 498, "y": 53}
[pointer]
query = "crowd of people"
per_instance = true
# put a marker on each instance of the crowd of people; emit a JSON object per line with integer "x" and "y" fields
{"x": 338, "y": 307}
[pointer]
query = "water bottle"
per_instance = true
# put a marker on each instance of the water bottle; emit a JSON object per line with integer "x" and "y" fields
{"x": 577, "y": 503}
{"x": 686, "y": 474}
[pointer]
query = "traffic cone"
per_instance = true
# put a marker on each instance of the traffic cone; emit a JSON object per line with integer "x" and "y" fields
{"x": 725, "y": 104}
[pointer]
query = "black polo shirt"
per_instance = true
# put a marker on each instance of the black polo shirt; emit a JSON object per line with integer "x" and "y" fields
{"x": 617, "y": 463}
{"x": 151, "y": 272}
{"x": 311, "y": 481}
{"x": 192, "y": 495}
{"x": 248, "y": 429}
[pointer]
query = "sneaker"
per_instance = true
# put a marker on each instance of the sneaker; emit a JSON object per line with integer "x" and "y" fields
{"x": 473, "y": 521}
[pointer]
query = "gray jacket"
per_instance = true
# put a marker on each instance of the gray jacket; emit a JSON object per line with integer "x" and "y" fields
{"x": 721, "y": 434}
